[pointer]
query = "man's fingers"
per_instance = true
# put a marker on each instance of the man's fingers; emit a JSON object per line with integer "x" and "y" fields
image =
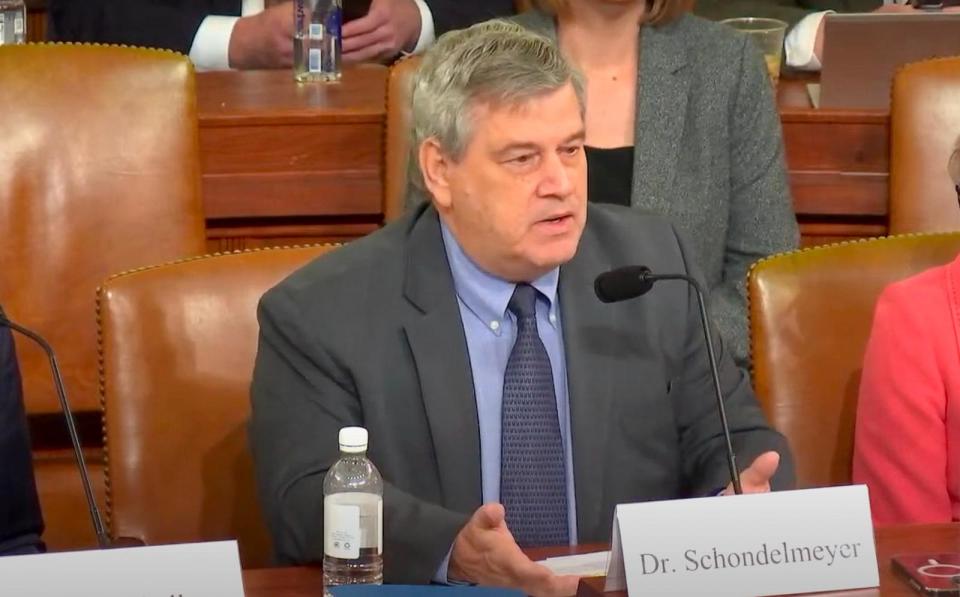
{"x": 565, "y": 585}
{"x": 374, "y": 53}
{"x": 372, "y": 21}
{"x": 489, "y": 516}
{"x": 362, "y": 41}
{"x": 760, "y": 471}
{"x": 539, "y": 581}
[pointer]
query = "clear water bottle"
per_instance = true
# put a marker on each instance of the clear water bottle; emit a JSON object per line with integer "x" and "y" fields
{"x": 352, "y": 515}
{"x": 13, "y": 22}
{"x": 316, "y": 40}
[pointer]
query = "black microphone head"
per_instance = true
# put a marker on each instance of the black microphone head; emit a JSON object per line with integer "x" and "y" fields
{"x": 623, "y": 283}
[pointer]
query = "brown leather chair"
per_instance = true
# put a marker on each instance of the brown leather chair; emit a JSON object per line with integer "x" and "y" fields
{"x": 100, "y": 174}
{"x": 924, "y": 126}
{"x": 810, "y": 317}
{"x": 177, "y": 348}
{"x": 396, "y": 166}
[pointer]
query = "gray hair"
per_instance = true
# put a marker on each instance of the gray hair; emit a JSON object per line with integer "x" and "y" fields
{"x": 496, "y": 62}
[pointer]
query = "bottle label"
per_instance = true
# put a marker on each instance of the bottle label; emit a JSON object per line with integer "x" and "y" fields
{"x": 316, "y": 31}
{"x": 341, "y": 530}
{"x": 351, "y": 522}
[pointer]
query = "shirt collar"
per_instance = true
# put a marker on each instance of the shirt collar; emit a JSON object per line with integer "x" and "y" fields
{"x": 485, "y": 295}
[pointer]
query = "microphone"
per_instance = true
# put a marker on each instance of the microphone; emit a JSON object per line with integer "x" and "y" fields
{"x": 103, "y": 540}
{"x": 629, "y": 282}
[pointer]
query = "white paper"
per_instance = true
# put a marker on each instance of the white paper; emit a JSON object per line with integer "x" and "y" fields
{"x": 192, "y": 569}
{"x": 585, "y": 564}
{"x": 813, "y": 91}
{"x": 779, "y": 543}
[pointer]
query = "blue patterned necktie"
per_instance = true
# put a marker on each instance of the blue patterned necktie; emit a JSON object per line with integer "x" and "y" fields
{"x": 533, "y": 482}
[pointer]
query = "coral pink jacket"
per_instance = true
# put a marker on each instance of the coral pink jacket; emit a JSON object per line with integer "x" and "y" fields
{"x": 908, "y": 418}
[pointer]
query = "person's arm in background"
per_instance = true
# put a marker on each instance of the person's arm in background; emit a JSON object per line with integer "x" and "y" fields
{"x": 211, "y": 32}
{"x": 803, "y": 45}
{"x": 900, "y": 450}
{"x": 21, "y": 523}
{"x": 394, "y": 26}
{"x": 460, "y": 14}
{"x": 761, "y": 221}
{"x": 147, "y": 23}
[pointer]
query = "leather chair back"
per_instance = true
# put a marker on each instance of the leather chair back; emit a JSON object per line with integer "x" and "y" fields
{"x": 178, "y": 343}
{"x": 396, "y": 167}
{"x": 924, "y": 128}
{"x": 810, "y": 317}
{"x": 100, "y": 174}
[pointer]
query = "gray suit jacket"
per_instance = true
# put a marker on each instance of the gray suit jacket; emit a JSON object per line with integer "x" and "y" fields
{"x": 709, "y": 155}
{"x": 371, "y": 335}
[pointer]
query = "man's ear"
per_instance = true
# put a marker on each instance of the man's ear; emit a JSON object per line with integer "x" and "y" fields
{"x": 435, "y": 169}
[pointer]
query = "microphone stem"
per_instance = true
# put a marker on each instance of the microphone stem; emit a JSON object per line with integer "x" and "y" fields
{"x": 103, "y": 539}
{"x": 704, "y": 320}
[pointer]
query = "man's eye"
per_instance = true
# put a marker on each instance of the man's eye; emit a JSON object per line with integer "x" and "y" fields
{"x": 522, "y": 159}
{"x": 572, "y": 150}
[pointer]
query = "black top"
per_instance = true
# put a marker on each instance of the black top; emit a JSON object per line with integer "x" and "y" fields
{"x": 20, "y": 522}
{"x": 609, "y": 174}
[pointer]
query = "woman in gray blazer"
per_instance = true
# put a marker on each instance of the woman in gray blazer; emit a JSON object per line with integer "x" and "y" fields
{"x": 681, "y": 121}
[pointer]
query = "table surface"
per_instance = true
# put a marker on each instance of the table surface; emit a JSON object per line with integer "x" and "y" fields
{"x": 229, "y": 98}
{"x": 306, "y": 582}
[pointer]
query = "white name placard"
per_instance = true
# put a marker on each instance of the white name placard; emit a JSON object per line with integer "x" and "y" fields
{"x": 186, "y": 570}
{"x": 778, "y": 543}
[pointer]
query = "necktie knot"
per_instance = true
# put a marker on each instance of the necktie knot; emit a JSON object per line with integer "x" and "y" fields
{"x": 523, "y": 303}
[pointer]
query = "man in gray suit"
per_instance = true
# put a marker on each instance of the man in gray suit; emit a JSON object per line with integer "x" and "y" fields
{"x": 506, "y": 405}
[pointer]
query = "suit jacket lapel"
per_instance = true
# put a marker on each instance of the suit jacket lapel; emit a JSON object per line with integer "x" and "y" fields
{"x": 662, "y": 87}
{"x": 589, "y": 384}
{"x": 438, "y": 344}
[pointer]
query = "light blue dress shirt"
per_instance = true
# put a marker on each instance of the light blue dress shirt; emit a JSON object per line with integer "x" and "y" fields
{"x": 490, "y": 332}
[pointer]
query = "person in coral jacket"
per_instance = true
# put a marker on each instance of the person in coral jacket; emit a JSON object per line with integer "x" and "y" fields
{"x": 907, "y": 446}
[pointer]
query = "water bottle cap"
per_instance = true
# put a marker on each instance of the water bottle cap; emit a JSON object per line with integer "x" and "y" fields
{"x": 353, "y": 439}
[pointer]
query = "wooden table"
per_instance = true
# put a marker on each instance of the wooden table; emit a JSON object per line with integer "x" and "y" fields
{"x": 306, "y": 582}
{"x": 838, "y": 161}
{"x": 284, "y": 163}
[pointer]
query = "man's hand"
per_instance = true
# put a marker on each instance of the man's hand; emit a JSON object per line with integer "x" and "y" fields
{"x": 391, "y": 26}
{"x": 263, "y": 40}
{"x": 756, "y": 477}
{"x": 485, "y": 553}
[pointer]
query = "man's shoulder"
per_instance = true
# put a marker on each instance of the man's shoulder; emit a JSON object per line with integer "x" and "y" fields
{"x": 616, "y": 236}
{"x": 629, "y": 225}
{"x": 331, "y": 279}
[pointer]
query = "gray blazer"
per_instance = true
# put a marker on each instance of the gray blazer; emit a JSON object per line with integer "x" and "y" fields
{"x": 371, "y": 335}
{"x": 709, "y": 154}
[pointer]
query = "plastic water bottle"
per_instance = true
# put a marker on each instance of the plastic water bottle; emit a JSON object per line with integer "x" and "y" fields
{"x": 352, "y": 515}
{"x": 13, "y": 22}
{"x": 316, "y": 40}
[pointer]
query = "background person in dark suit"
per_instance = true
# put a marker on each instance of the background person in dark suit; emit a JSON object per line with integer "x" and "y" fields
{"x": 467, "y": 338}
{"x": 20, "y": 521}
{"x": 245, "y": 34}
